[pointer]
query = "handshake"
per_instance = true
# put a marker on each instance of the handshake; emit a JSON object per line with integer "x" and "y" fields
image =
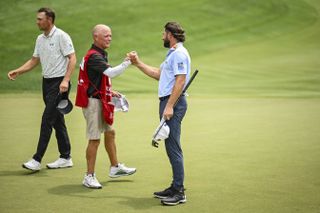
{"x": 133, "y": 57}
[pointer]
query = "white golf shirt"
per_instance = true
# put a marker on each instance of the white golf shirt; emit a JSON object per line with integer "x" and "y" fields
{"x": 53, "y": 51}
{"x": 177, "y": 62}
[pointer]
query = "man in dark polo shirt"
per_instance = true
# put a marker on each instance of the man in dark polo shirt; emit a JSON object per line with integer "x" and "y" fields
{"x": 96, "y": 65}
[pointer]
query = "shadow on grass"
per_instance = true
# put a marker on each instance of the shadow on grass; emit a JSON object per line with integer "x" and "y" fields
{"x": 77, "y": 190}
{"x": 116, "y": 181}
{"x": 139, "y": 203}
{"x": 74, "y": 190}
{"x": 17, "y": 173}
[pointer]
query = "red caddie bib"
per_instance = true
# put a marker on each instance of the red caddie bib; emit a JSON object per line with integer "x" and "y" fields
{"x": 104, "y": 91}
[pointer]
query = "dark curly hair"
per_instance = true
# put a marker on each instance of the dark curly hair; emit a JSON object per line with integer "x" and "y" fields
{"x": 176, "y": 30}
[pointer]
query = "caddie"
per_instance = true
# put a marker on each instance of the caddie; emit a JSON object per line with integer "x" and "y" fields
{"x": 94, "y": 95}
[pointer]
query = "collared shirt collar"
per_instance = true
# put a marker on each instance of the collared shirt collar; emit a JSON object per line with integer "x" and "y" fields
{"x": 99, "y": 50}
{"x": 51, "y": 32}
{"x": 177, "y": 45}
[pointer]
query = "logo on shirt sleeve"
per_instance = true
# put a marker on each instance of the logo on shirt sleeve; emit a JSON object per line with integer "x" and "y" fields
{"x": 180, "y": 66}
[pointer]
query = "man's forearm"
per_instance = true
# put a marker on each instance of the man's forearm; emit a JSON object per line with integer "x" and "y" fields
{"x": 29, "y": 65}
{"x": 177, "y": 90}
{"x": 70, "y": 67}
{"x": 112, "y": 72}
{"x": 150, "y": 71}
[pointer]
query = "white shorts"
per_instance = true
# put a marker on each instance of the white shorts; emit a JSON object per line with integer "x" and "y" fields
{"x": 94, "y": 118}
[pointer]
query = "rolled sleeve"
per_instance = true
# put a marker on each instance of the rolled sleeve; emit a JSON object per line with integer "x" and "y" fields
{"x": 180, "y": 63}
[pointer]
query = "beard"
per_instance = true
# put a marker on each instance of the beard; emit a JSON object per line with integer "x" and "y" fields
{"x": 40, "y": 28}
{"x": 166, "y": 43}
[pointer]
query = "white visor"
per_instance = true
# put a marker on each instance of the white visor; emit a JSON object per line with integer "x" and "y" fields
{"x": 120, "y": 103}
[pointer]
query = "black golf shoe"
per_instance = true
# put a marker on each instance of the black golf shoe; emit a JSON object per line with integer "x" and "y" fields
{"x": 176, "y": 198}
{"x": 165, "y": 193}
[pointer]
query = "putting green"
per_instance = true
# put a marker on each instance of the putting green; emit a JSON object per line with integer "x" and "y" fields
{"x": 251, "y": 135}
{"x": 241, "y": 155}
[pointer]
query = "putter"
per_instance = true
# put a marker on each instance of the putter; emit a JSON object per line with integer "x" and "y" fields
{"x": 154, "y": 142}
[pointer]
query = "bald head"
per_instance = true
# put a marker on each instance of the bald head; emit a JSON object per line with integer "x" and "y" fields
{"x": 99, "y": 28}
{"x": 102, "y": 36}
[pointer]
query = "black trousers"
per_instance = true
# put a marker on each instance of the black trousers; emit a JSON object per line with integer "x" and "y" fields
{"x": 52, "y": 118}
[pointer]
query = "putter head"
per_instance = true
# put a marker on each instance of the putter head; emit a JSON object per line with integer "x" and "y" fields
{"x": 161, "y": 133}
{"x": 155, "y": 143}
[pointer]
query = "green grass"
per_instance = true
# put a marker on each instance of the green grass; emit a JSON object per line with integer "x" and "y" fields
{"x": 251, "y": 135}
{"x": 241, "y": 155}
{"x": 244, "y": 48}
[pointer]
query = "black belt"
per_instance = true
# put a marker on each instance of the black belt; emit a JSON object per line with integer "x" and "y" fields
{"x": 49, "y": 80}
{"x": 165, "y": 97}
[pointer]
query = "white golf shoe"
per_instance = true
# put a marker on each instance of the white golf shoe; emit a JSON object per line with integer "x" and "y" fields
{"x": 60, "y": 163}
{"x": 91, "y": 181}
{"x": 32, "y": 165}
{"x": 121, "y": 170}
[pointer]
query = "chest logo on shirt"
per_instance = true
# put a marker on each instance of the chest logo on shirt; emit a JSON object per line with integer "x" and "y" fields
{"x": 180, "y": 66}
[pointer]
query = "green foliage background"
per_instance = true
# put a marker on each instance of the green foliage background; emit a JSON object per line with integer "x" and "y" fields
{"x": 243, "y": 48}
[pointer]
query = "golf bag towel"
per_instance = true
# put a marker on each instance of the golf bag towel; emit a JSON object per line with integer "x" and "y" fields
{"x": 104, "y": 92}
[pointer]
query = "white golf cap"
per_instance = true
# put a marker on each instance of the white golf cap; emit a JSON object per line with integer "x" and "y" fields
{"x": 162, "y": 132}
{"x": 120, "y": 103}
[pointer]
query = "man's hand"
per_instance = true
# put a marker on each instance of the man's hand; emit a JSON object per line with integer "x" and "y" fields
{"x": 29, "y": 65}
{"x": 150, "y": 71}
{"x": 133, "y": 56}
{"x": 64, "y": 86}
{"x": 12, "y": 75}
{"x": 168, "y": 113}
{"x": 116, "y": 94}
